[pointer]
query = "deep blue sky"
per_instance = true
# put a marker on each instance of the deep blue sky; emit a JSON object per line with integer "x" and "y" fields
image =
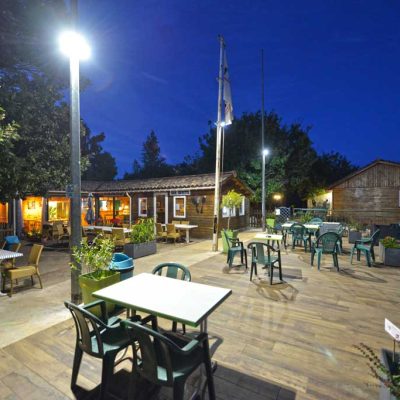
{"x": 331, "y": 64}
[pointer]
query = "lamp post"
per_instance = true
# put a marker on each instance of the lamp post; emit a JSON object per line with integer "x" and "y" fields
{"x": 263, "y": 216}
{"x": 76, "y": 48}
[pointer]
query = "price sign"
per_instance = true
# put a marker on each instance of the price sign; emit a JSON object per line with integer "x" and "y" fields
{"x": 392, "y": 330}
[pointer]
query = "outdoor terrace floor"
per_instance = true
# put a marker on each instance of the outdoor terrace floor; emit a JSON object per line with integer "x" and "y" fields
{"x": 286, "y": 341}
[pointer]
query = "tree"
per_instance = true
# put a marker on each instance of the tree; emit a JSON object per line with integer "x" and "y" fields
{"x": 153, "y": 164}
{"x": 231, "y": 200}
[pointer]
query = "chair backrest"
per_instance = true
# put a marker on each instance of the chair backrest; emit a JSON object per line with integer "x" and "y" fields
{"x": 184, "y": 222}
{"x": 375, "y": 238}
{"x": 171, "y": 228}
{"x": 176, "y": 222}
{"x": 15, "y": 247}
{"x": 298, "y": 229}
{"x": 316, "y": 221}
{"x": 258, "y": 254}
{"x": 328, "y": 242}
{"x": 86, "y": 325}
{"x": 159, "y": 228}
{"x": 171, "y": 270}
{"x": 58, "y": 228}
{"x": 34, "y": 255}
{"x": 118, "y": 233}
{"x": 154, "y": 351}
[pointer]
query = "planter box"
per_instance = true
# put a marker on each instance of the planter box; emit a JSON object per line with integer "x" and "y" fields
{"x": 137, "y": 250}
{"x": 387, "y": 360}
{"x": 89, "y": 286}
{"x": 353, "y": 236}
{"x": 390, "y": 257}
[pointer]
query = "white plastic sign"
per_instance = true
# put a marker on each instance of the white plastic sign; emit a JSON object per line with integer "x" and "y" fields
{"x": 392, "y": 330}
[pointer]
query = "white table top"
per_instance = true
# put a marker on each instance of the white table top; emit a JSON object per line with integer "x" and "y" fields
{"x": 308, "y": 226}
{"x": 106, "y": 228}
{"x": 181, "y": 301}
{"x": 267, "y": 236}
{"x": 185, "y": 226}
{"x": 5, "y": 254}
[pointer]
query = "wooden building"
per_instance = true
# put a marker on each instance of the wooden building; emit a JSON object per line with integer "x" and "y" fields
{"x": 369, "y": 195}
{"x": 186, "y": 198}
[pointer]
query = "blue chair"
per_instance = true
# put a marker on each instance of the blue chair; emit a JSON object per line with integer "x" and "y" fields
{"x": 366, "y": 246}
{"x": 10, "y": 240}
{"x": 123, "y": 264}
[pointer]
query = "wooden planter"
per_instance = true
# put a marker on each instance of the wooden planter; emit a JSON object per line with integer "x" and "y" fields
{"x": 89, "y": 286}
{"x": 353, "y": 236}
{"x": 387, "y": 360}
{"x": 137, "y": 250}
{"x": 390, "y": 257}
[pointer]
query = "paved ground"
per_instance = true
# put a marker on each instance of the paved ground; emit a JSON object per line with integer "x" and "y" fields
{"x": 293, "y": 340}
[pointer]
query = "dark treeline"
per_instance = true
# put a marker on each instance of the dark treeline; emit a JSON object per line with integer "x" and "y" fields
{"x": 293, "y": 167}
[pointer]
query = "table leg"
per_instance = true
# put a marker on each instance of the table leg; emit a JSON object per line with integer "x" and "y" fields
{"x": 187, "y": 236}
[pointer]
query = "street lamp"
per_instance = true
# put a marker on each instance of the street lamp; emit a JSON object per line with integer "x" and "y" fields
{"x": 263, "y": 216}
{"x": 73, "y": 45}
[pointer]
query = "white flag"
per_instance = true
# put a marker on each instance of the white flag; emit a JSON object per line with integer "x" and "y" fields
{"x": 227, "y": 94}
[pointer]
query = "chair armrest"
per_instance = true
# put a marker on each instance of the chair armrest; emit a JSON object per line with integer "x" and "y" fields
{"x": 363, "y": 241}
{"x": 187, "y": 350}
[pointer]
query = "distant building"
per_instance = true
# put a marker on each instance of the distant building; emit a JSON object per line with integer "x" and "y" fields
{"x": 368, "y": 195}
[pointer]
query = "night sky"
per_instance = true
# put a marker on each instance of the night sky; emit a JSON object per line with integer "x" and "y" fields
{"x": 334, "y": 65}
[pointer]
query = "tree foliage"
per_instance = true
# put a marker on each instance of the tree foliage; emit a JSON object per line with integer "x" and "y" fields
{"x": 153, "y": 163}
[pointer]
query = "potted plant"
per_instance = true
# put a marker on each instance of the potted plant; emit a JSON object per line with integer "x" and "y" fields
{"x": 95, "y": 259}
{"x": 389, "y": 251}
{"x": 386, "y": 370}
{"x": 270, "y": 220}
{"x": 231, "y": 200}
{"x": 306, "y": 217}
{"x": 141, "y": 239}
{"x": 355, "y": 231}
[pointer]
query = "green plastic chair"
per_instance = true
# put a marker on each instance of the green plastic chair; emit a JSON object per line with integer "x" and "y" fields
{"x": 167, "y": 359}
{"x": 316, "y": 221}
{"x": 299, "y": 234}
{"x": 98, "y": 337}
{"x": 258, "y": 256}
{"x": 171, "y": 270}
{"x": 327, "y": 243}
{"x": 235, "y": 246}
{"x": 366, "y": 246}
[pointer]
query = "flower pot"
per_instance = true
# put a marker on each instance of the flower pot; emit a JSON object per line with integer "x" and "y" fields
{"x": 389, "y": 256}
{"x": 89, "y": 285}
{"x": 137, "y": 250}
{"x": 353, "y": 236}
{"x": 231, "y": 234}
{"x": 393, "y": 367}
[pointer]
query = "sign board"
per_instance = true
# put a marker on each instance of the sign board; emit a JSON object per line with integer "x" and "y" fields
{"x": 392, "y": 330}
{"x": 69, "y": 191}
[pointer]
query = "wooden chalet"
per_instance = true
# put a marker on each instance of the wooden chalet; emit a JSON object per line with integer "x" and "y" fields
{"x": 176, "y": 198}
{"x": 368, "y": 195}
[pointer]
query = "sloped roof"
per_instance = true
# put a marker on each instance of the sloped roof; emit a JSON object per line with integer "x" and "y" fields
{"x": 363, "y": 169}
{"x": 202, "y": 181}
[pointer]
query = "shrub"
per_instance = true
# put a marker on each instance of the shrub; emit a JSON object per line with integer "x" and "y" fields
{"x": 143, "y": 231}
{"x": 390, "y": 243}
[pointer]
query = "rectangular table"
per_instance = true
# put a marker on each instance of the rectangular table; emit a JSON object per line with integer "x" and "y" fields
{"x": 187, "y": 228}
{"x": 7, "y": 255}
{"x": 185, "y": 302}
{"x": 107, "y": 229}
{"x": 269, "y": 237}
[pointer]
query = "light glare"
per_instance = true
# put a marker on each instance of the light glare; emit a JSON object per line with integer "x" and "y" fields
{"x": 72, "y": 44}
{"x": 265, "y": 152}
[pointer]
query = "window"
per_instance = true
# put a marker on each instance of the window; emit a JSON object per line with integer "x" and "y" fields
{"x": 179, "y": 207}
{"x": 242, "y": 208}
{"x": 142, "y": 207}
{"x": 227, "y": 212}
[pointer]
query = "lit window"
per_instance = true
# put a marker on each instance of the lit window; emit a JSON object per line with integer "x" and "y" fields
{"x": 227, "y": 212}
{"x": 179, "y": 207}
{"x": 242, "y": 208}
{"x": 142, "y": 207}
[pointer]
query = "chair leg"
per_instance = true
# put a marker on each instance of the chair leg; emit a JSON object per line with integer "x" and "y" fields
{"x": 271, "y": 273}
{"x": 76, "y": 366}
{"x": 245, "y": 259}
{"x": 351, "y": 255}
{"x": 368, "y": 257}
{"x": 280, "y": 270}
{"x": 32, "y": 280}
{"x": 312, "y": 257}
{"x": 40, "y": 280}
{"x": 319, "y": 261}
{"x": 11, "y": 287}
{"x": 358, "y": 255}
{"x": 174, "y": 326}
{"x": 106, "y": 374}
{"x": 373, "y": 253}
{"x": 179, "y": 389}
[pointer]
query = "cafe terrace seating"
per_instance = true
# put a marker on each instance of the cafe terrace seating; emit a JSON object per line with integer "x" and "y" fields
{"x": 327, "y": 243}
{"x": 235, "y": 246}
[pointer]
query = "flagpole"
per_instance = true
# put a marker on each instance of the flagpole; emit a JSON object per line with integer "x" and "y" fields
{"x": 217, "y": 192}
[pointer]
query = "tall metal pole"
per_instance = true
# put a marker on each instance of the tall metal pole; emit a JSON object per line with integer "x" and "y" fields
{"x": 76, "y": 230}
{"x": 217, "y": 191}
{"x": 263, "y": 216}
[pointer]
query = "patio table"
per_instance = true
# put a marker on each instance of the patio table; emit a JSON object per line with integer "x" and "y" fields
{"x": 107, "y": 229}
{"x": 6, "y": 255}
{"x": 269, "y": 237}
{"x": 311, "y": 228}
{"x": 187, "y": 228}
{"x": 185, "y": 302}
